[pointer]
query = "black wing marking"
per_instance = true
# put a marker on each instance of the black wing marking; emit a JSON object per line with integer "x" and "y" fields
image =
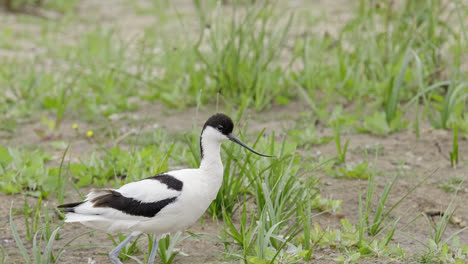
{"x": 68, "y": 208}
{"x": 116, "y": 200}
{"x": 170, "y": 181}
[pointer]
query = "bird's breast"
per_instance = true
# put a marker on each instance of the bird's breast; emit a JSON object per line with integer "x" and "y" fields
{"x": 198, "y": 193}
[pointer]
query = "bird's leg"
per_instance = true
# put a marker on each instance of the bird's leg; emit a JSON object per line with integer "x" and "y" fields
{"x": 114, "y": 254}
{"x": 154, "y": 249}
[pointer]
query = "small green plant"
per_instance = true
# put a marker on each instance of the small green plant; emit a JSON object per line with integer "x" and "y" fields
{"x": 446, "y": 253}
{"x": 347, "y": 240}
{"x": 26, "y": 85}
{"x": 22, "y": 170}
{"x": 242, "y": 236}
{"x": 437, "y": 247}
{"x": 307, "y": 137}
{"x": 358, "y": 171}
{"x": 129, "y": 250}
{"x": 373, "y": 222}
{"x": 40, "y": 256}
{"x": 4, "y": 255}
{"x": 454, "y": 152}
{"x": 438, "y": 230}
{"x": 378, "y": 124}
{"x": 451, "y": 185}
{"x": 31, "y": 217}
{"x": 447, "y": 108}
{"x": 62, "y": 178}
{"x": 324, "y": 204}
{"x": 167, "y": 245}
{"x": 340, "y": 149}
{"x": 305, "y": 218}
{"x": 58, "y": 102}
{"x": 43, "y": 250}
{"x": 393, "y": 93}
{"x": 456, "y": 253}
{"x": 256, "y": 239}
{"x": 351, "y": 257}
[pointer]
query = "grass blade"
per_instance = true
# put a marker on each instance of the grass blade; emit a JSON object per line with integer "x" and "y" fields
{"x": 18, "y": 240}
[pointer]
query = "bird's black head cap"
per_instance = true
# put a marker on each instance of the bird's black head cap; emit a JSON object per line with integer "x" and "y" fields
{"x": 220, "y": 122}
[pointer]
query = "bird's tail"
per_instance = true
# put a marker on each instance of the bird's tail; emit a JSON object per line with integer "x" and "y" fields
{"x": 75, "y": 217}
{"x": 72, "y": 216}
{"x": 68, "y": 208}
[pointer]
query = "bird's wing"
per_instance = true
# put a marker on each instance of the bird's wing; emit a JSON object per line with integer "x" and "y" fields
{"x": 153, "y": 189}
{"x": 143, "y": 198}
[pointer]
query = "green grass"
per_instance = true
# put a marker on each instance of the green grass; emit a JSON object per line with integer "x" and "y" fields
{"x": 20, "y": 5}
{"x": 387, "y": 69}
{"x": 454, "y": 153}
{"x": 243, "y": 55}
{"x": 22, "y": 170}
{"x": 43, "y": 240}
{"x": 242, "y": 61}
{"x": 442, "y": 247}
{"x": 451, "y": 185}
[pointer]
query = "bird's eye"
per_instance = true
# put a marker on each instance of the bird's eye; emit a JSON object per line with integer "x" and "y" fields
{"x": 220, "y": 127}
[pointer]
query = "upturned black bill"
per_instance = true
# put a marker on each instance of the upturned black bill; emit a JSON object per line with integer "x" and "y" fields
{"x": 234, "y": 139}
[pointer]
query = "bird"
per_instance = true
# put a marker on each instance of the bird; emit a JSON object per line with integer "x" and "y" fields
{"x": 165, "y": 203}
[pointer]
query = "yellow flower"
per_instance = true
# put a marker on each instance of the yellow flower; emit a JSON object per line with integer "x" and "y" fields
{"x": 90, "y": 133}
{"x": 75, "y": 126}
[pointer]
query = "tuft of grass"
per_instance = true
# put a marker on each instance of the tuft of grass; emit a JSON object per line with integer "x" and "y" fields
{"x": 243, "y": 55}
{"x": 438, "y": 231}
{"x": 273, "y": 188}
{"x": 454, "y": 152}
{"x": 307, "y": 137}
{"x": 23, "y": 170}
{"x": 451, "y": 185}
{"x": 129, "y": 250}
{"x": 62, "y": 177}
{"x": 447, "y": 108}
{"x": 242, "y": 236}
{"x": 351, "y": 171}
{"x": 4, "y": 255}
{"x": 373, "y": 222}
{"x": 43, "y": 250}
{"x": 340, "y": 149}
{"x": 167, "y": 245}
{"x": 31, "y": 227}
{"x": 437, "y": 248}
{"x": 393, "y": 91}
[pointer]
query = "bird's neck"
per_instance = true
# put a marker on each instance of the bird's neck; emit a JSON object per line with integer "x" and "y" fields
{"x": 211, "y": 156}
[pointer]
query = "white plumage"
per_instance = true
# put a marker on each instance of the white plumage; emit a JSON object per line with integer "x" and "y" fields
{"x": 162, "y": 204}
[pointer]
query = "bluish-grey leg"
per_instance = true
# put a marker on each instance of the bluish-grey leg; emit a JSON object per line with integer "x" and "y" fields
{"x": 154, "y": 249}
{"x": 114, "y": 254}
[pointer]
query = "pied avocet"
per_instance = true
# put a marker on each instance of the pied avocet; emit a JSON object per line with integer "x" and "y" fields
{"x": 165, "y": 203}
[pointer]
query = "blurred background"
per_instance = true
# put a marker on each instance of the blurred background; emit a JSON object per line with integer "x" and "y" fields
{"x": 375, "y": 59}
